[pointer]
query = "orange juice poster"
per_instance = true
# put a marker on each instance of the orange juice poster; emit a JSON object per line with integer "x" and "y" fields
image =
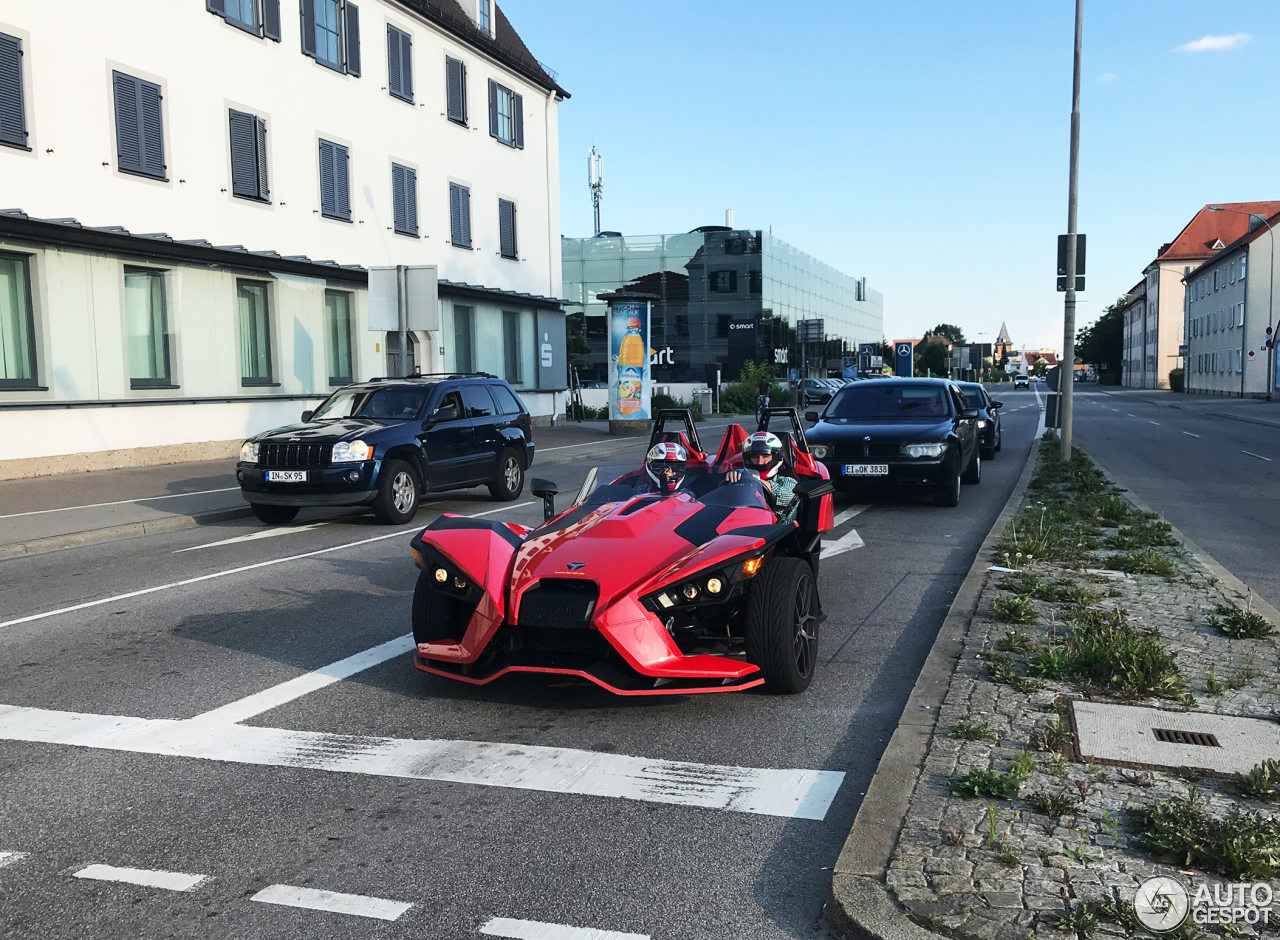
{"x": 629, "y": 379}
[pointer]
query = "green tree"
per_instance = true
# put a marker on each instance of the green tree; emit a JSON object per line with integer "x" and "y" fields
{"x": 1101, "y": 343}
{"x": 951, "y": 332}
{"x": 1040, "y": 368}
{"x": 931, "y": 357}
{"x": 574, "y": 343}
{"x": 740, "y": 397}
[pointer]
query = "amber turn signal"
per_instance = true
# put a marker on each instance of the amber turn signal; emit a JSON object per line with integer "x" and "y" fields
{"x": 751, "y": 566}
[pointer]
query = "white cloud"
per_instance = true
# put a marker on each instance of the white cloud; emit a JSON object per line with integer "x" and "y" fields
{"x": 1214, "y": 43}
{"x": 1106, "y": 78}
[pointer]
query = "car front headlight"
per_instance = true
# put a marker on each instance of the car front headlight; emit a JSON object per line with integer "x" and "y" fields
{"x": 924, "y": 450}
{"x": 982, "y": 423}
{"x": 249, "y": 452}
{"x": 820, "y": 451}
{"x": 350, "y": 451}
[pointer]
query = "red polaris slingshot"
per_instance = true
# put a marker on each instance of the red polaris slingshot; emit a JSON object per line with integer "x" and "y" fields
{"x": 707, "y": 589}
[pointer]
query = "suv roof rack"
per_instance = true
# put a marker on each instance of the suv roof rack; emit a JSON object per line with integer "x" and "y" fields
{"x": 433, "y": 375}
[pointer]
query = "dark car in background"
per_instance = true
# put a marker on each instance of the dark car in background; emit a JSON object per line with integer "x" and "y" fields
{"x": 907, "y": 434}
{"x": 990, "y": 434}
{"x": 386, "y": 442}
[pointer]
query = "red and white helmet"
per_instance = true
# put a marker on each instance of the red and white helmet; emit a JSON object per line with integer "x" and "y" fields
{"x": 762, "y": 452}
{"x": 665, "y": 464}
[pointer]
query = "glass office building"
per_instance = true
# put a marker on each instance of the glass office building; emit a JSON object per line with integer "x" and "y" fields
{"x": 720, "y": 297}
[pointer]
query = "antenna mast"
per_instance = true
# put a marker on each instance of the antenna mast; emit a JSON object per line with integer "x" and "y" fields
{"x": 595, "y": 179}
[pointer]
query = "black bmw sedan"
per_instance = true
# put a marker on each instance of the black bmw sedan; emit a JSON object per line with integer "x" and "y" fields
{"x": 913, "y": 434}
{"x": 990, "y": 434}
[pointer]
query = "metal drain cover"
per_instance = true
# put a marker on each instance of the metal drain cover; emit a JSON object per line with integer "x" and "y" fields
{"x": 1131, "y": 736}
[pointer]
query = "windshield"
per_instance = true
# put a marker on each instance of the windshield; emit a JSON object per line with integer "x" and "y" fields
{"x": 395, "y": 403}
{"x": 618, "y": 484}
{"x": 885, "y": 400}
{"x": 974, "y": 394}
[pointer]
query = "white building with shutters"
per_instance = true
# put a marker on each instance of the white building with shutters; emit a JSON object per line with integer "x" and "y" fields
{"x": 417, "y": 132}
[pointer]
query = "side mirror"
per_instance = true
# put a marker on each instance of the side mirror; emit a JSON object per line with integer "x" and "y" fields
{"x": 447, "y": 412}
{"x": 969, "y": 413}
{"x": 546, "y": 491}
{"x": 306, "y": 415}
{"x": 811, "y": 417}
{"x": 997, "y": 404}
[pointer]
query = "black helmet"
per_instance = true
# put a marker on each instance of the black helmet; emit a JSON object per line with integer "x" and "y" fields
{"x": 665, "y": 463}
{"x": 762, "y": 452}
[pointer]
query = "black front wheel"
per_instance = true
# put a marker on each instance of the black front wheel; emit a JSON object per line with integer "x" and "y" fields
{"x": 510, "y": 480}
{"x": 397, "y": 499}
{"x": 782, "y": 625}
{"x": 950, "y": 493}
{"x": 436, "y": 615}
{"x": 273, "y": 515}
{"x": 974, "y": 473}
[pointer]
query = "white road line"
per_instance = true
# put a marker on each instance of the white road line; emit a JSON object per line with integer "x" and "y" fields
{"x": 307, "y": 683}
{"x": 538, "y": 930}
{"x": 8, "y": 858}
{"x": 1259, "y": 456}
{"x": 169, "y": 880}
{"x": 789, "y": 793}
{"x": 118, "y": 502}
{"x": 1131, "y": 415}
{"x": 845, "y": 543}
{"x": 547, "y": 450}
{"x": 333, "y": 901}
{"x": 264, "y": 534}
{"x": 1156, "y": 423}
{"x": 846, "y": 515}
{"x": 230, "y": 571}
{"x": 1189, "y": 434}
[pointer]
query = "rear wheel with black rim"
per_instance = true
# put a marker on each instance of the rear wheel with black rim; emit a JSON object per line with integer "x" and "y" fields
{"x": 782, "y": 625}
{"x": 999, "y": 439}
{"x": 510, "y": 480}
{"x": 397, "y": 499}
{"x": 950, "y": 493}
{"x": 273, "y": 515}
{"x": 974, "y": 473}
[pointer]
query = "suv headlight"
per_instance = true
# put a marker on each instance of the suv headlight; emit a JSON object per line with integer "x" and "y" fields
{"x": 350, "y": 451}
{"x": 924, "y": 450}
{"x": 820, "y": 450}
{"x": 249, "y": 452}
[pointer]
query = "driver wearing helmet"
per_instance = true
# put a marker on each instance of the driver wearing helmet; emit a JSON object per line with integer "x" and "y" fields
{"x": 762, "y": 452}
{"x": 665, "y": 465}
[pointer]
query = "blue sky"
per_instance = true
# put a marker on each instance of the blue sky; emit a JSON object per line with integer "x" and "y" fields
{"x": 920, "y": 144}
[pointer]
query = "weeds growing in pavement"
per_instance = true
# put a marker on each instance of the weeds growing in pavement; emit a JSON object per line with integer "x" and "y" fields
{"x": 1111, "y": 825}
{"x": 1111, "y": 510}
{"x": 1078, "y": 853}
{"x": 1053, "y": 804}
{"x": 1244, "y": 845}
{"x": 1143, "y": 561}
{"x": 1137, "y": 778}
{"x": 1120, "y": 912}
{"x": 1052, "y": 662}
{"x": 1240, "y": 624}
{"x": 1058, "y": 706}
{"x": 1024, "y": 766}
{"x": 986, "y": 783}
{"x": 991, "y": 824}
{"x": 1261, "y": 783}
{"x": 954, "y": 837}
{"x": 1024, "y": 582}
{"x": 1108, "y": 653}
{"x": 1212, "y": 684}
{"x": 968, "y": 732}
{"x": 1015, "y": 641}
{"x": 1058, "y": 766}
{"x": 1144, "y": 534}
{"x": 1001, "y": 668}
{"x": 1015, "y": 609}
{"x": 1052, "y": 736}
{"x": 1081, "y": 918}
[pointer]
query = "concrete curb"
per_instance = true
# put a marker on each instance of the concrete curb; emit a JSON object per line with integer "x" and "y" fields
{"x": 116, "y": 532}
{"x": 859, "y": 904}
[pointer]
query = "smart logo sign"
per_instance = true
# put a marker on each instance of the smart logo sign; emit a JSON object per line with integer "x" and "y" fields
{"x": 1163, "y": 904}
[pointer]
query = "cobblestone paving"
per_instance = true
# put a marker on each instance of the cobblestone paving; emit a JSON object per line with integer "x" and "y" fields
{"x": 1000, "y": 869}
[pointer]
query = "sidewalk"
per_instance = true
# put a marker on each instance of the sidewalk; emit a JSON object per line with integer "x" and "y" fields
{"x": 39, "y": 514}
{"x": 1249, "y": 410}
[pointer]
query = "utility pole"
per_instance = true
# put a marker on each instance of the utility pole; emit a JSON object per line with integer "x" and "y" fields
{"x": 595, "y": 179}
{"x": 402, "y": 316}
{"x": 1067, "y": 386}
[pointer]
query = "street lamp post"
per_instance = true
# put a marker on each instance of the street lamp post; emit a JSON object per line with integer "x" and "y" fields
{"x": 1271, "y": 295}
{"x": 1066, "y": 392}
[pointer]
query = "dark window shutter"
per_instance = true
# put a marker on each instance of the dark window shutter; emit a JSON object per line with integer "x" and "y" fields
{"x": 309, "y": 28}
{"x": 216, "y": 6}
{"x": 397, "y": 198}
{"x": 260, "y": 134}
{"x": 13, "y": 117}
{"x": 152, "y": 128}
{"x": 493, "y": 108}
{"x": 271, "y": 19}
{"x": 507, "y": 227}
{"x": 128, "y": 133}
{"x": 466, "y": 216}
{"x": 328, "y": 199}
{"x": 394, "y": 80}
{"x": 406, "y": 66}
{"x": 351, "y": 13}
{"x": 517, "y": 115}
{"x": 244, "y": 156}
{"x": 411, "y": 201}
{"x": 455, "y": 72}
{"x": 342, "y": 181}
{"x": 460, "y": 215}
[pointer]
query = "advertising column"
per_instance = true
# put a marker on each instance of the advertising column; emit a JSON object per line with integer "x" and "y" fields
{"x": 630, "y": 383}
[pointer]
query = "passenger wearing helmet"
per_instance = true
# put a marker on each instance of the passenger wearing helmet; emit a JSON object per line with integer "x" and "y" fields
{"x": 666, "y": 464}
{"x": 762, "y": 452}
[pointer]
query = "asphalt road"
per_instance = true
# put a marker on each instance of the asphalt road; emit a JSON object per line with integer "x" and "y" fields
{"x": 1213, "y": 477}
{"x": 306, "y": 794}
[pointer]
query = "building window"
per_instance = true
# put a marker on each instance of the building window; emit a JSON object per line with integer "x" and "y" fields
{"x": 13, "y": 112}
{"x": 331, "y": 34}
{"x": 483, "y": 17}
{"x": 506, "y": 115}
{"x": 17, "y": 324}
{"x": 455, "y": 80}
{"x": 337, "y": 315}
{"x": 139, "y": 126}
{"x": 464, "y": 359}
{"x": 755, "y": 282}
{"x": 259, "y": 17}
{"x": 459, "y": 215}
{"x": 404, "y": 200}
{"x": 507, "y": 228}
{"x": 146, "y": 329}
{"x": 248, "y": 156}
{"x": 1244, "y": 263}
{"x": 255, "y": 333}
{"x": 512, "y": 352}
{"x": 724, "y": 282}
{"x": 335, "y": 182}
{"x": 1240, "y": 313}
{"x": 399, "y": 64}
{"x": 722, "y": 325}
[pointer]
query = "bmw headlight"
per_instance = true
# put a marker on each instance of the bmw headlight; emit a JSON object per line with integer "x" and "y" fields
{"x": 924, "y": 450}
{"x": 982, "y": 423}
{"x": 249, "y": 452}
{"x": 820, "y": 450}
{"x": 350, "y": 451}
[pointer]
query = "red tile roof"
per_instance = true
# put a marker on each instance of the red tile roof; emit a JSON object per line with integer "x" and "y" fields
{"x": 1194, "y": 243}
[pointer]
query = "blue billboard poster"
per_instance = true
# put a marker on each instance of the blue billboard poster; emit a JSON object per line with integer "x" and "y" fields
{"x": 903, "y": 359}
{"x": 849, "y": 367}
{"x": 630, "y": 382}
